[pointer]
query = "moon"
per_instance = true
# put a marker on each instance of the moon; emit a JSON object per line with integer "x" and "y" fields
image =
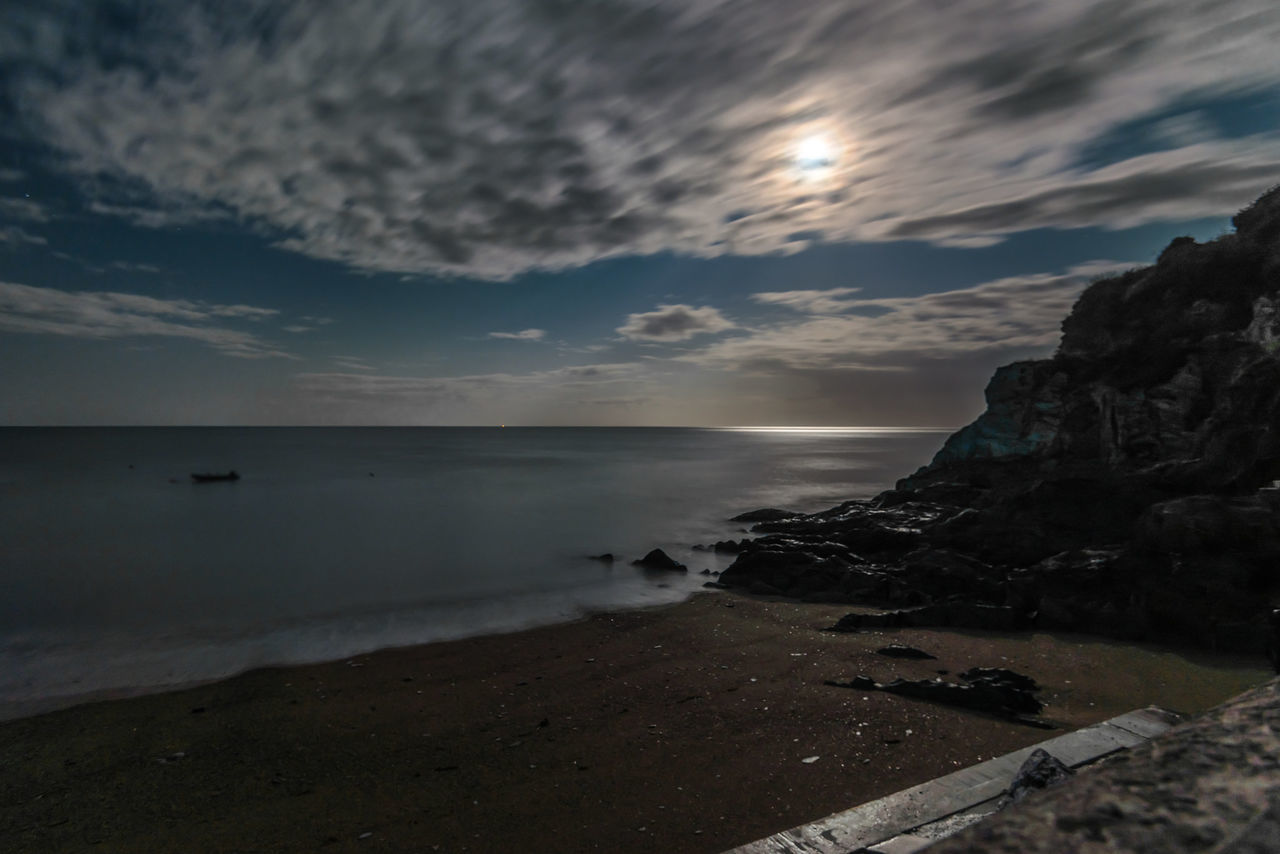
{"x": 814, "y": 155}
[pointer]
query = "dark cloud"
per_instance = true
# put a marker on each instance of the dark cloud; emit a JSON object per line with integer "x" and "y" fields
{"x": 490, "y": 137}
{"x": 674, "y": 323}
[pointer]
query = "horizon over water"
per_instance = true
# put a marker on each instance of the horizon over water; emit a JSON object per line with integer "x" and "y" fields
{"x": 123, "y": 576}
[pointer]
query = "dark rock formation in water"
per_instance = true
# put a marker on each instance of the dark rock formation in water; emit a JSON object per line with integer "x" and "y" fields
{"x": 1123, "y": 486}
{"x": 658, "y": 559}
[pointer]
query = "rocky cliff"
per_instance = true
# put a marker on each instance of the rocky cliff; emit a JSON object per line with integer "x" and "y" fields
{"x": 1122, "y": 486}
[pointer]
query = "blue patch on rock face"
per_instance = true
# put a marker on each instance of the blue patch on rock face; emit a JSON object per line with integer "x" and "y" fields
{"x": 1022, "y": 418}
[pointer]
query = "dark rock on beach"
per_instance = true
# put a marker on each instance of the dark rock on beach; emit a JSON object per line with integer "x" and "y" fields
{"x": 991, "y": 690}
{"x": 958, "y": 615}
{"x": 1123, "y": 486}
{"x": 897, "y": 650}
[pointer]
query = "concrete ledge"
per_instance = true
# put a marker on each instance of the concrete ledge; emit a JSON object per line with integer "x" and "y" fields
{"x": 900, "y": 823}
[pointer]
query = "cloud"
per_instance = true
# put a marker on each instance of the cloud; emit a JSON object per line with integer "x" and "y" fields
{"x": 487, "y": 138}
{"x": 133, "y": 267}
{"x": 522, "y": 335}
{"x": 1018, "y": 313}
{"x": 813, "y": 302}
{"x": 12, "y": 235}
{"x": 89, "y": 314}
{"x": 24, "y": 209}
{"x": 9, "y": 175}
{"x": 175, "y": 213}
{"x": 344, "y": 385}
{"x": 352, "y": 363}
{"x": 309, "y": 323}
{"x": 252, "y": 312}
{"x": 674, "y": 323}
{"x": 1186, "y": 184}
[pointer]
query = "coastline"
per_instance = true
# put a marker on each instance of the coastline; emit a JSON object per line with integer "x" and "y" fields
{"x": 672, "y": 728}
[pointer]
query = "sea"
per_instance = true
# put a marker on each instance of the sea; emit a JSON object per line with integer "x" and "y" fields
{"x": 121, "y": 575}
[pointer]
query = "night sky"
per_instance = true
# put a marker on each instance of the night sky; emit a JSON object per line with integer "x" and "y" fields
{"x": 695, "y": 212}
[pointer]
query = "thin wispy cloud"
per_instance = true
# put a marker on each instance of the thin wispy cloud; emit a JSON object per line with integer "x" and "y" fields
{"x": 24, "y": 209}
{"x": 13, "y": 236}
{"x": 1017, "y": 313}
{"x": 169, "y": 213}
{"x": 411, "y": 399}
{"x": 133, "y": 267}
{"x": 826, "y": 301}
{"x": 488, "y": 138}
{"x": 352, "y": 363}
{"x": 98, "y": 315}
{"x": 522, "y": 335}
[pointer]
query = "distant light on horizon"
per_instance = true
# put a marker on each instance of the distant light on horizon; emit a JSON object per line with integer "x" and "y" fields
{"x": 845, "y": 430}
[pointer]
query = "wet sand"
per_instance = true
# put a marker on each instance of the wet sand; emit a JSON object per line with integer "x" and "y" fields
{"x": 678, "y": 729}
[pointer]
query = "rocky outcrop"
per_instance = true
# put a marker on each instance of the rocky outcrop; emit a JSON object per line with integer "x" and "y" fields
{"x": 1121, "y": 486}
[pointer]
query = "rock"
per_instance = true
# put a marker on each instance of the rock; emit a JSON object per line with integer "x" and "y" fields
{"x": 991, "y": 690}
{"x": 896, "y": 650}
{"x": 960, "y": 615}
{"x": 1001, "y": 676}
{"x": 1040, "y": 771}
{"x": 766, "y": 515}
{"x": 607, "y": 557}
{"x": 658, "y": 559}
{"x": 730, "y": 546}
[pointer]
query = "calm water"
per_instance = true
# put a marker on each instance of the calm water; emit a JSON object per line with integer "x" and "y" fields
{"x": 120, "y": 574}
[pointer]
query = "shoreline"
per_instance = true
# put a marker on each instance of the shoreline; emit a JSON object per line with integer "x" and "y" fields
{"x": 671, "y": 728}
{"x": 533, "y": 614}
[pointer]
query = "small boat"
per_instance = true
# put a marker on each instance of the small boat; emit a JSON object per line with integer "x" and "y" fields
{"x": 214, "y": 477}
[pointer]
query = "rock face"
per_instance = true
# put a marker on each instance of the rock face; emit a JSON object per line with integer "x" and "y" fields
{"x": 1121, "y": 486}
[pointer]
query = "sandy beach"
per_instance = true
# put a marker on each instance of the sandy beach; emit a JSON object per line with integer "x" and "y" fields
{"x": 678, "y": 729}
